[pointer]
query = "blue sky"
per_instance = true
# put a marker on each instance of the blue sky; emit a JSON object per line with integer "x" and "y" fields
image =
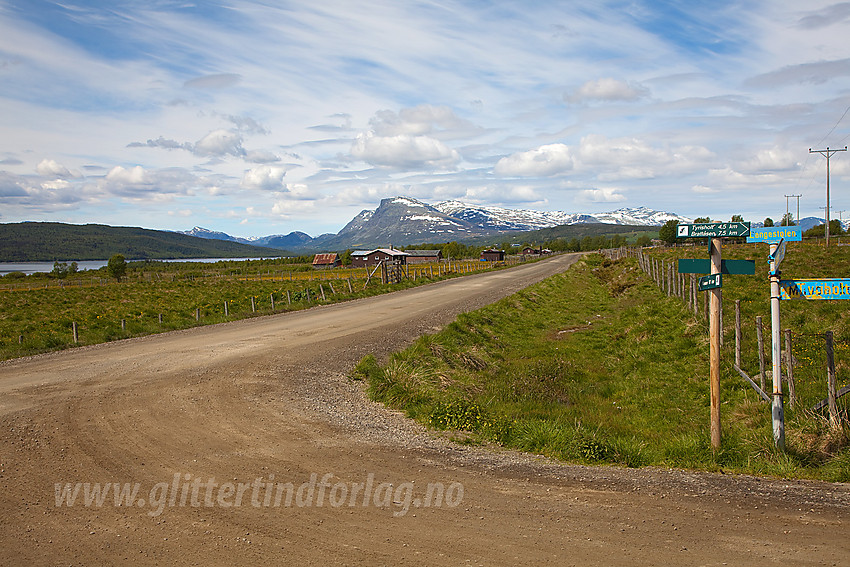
{"x": 264, "y": 117}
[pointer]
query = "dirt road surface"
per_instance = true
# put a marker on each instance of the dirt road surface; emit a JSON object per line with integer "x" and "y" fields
{"x": 247, "y": 445}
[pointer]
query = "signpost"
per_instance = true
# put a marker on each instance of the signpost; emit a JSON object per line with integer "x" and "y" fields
{"x": 714, "y": 266}
{"x": 817, "y": 289}
{"x": 777, "y": 253}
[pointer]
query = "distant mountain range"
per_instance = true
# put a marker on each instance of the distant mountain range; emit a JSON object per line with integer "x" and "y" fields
{"x": 401, "y": 221}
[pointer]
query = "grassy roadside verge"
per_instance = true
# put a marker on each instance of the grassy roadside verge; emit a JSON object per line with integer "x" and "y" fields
{"x": 596, "y": 366}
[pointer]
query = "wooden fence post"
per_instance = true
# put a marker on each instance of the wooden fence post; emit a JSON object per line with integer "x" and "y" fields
{"x": 197, "y": 314}
{"x": 272, "y": 298}
{"x": 322, "y": 289}
{"x": 695, "y": 294}
{"x": 789, "y": 369}
{"x": 830, "y": 383}
{"x": 74, "y": 330}
{"x": 253, "y": 307}
{"x": 160, "y": 318}
{"x": 760, "y": 337}
{"x": 226, "y": 310}
{"x": 288, "y": 299}
{"x": 123, "y": 325}
{"x": 349, "y": 286}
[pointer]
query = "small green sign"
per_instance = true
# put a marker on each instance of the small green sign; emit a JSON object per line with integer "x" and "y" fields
{"x": 730, "y": 267}
{"x": 714, "y": 281}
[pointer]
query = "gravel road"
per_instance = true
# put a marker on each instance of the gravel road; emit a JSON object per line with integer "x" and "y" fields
{"x": 246, "y": 444}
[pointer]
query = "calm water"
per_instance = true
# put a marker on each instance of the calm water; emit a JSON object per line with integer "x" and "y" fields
{"x": 34, "y": 267}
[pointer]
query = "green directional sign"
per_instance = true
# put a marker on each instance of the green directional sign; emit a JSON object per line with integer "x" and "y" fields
{"x": 731, "y": 267}
{"x": 712, "y": 229}
{"x": 714, "y": 281}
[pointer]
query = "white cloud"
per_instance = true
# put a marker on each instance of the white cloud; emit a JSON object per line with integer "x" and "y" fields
{"x": 119, "y": 175}
{"x": 265, "y": 177}
{"x": 261, "y": 156}
{"x": 771, "y": 160}
{"x": 544, "y": 161}
{"x": 417, "y": 121}
{"x": 703, "y": 189}
{"x": 219, "y": 143}
{"x": 603, "y": 195}
{"x": 502, "y": 194}
{"x": 634, "y": 158}
{"x": 49, "y": 167}
{"x": 608, "y": 89}
{"x": 219, "y": 81}
{"x": 404, "y": 151}
{"x": 287, "y": 208}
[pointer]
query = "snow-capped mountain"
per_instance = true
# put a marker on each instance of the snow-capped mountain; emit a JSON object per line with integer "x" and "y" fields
{"x": 502, "y": 219}
{"x": 202, "y": 232}
{"x": 403, "y": 220}
{"x": 400, "y": 221}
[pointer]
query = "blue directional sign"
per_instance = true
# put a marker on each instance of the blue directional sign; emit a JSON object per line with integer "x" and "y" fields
{"x": 779, "y": 255}
{"x": 775, "y": 234}
{"x": 829, "y": 288}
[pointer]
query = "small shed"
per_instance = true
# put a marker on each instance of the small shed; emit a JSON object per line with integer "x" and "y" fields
{"x": 423, "y": 256}
{"x": 529, "y": 251}
{"x": 326, "y": 261}
{"x": 364, "y": 258}
{"x": 493, "y": 255}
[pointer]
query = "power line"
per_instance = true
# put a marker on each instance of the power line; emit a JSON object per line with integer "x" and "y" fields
{"x": 827, "y": 153}
{"x": 798, "y": 205}
{"x": 846, "y": 110}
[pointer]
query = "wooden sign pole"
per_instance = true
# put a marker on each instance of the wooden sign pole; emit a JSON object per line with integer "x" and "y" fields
{"x": 714, "y": 345}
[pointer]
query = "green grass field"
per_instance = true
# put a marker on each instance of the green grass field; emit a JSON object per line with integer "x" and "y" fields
{"x": 36, "y": 315}
{"x": 598, "y": 365}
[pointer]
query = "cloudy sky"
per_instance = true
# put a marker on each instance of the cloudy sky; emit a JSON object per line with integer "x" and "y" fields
{"x": 259, "y": 117}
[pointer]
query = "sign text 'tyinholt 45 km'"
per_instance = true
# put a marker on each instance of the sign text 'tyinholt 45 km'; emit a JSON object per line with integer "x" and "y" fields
{"x": 712, "y": 229}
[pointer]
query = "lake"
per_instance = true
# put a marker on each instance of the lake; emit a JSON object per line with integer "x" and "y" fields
{"x": 36, "y": 267}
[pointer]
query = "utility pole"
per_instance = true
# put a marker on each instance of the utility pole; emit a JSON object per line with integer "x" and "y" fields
{"x": 798, "y": 205}
{"x": 827, "y": 153}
